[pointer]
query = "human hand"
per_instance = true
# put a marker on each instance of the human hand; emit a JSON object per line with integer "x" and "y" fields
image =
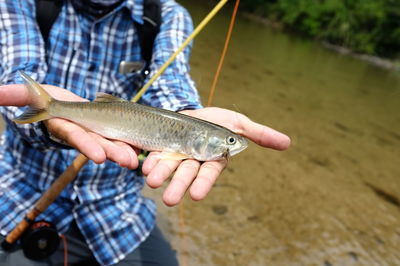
{"x": 200, "y": 177}
{"x": 92, "y": 145}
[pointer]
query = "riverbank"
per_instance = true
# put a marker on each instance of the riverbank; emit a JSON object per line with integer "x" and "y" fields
{"x": 375, "y": 60}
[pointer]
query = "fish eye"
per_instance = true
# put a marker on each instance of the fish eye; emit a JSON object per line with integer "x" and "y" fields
{"x": 230, "y": 140}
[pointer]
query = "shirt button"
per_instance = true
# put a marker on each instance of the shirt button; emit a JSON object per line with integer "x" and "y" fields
{"x": 92, "y": 67}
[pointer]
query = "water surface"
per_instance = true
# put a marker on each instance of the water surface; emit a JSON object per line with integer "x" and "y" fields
{"x": 333, "y": 197}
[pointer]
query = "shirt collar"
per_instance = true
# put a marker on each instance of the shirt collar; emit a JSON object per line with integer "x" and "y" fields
{"x": 135, "y": 8}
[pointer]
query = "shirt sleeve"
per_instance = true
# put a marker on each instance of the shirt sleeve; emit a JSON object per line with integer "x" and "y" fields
{"x": 22, "y": 48}
{"x": 174, "y": 89}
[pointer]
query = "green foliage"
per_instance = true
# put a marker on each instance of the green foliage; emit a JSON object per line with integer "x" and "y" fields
{"x": 366, "y": 26}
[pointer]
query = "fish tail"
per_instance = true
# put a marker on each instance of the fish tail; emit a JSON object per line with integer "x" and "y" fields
{"x": 40, "y": 102}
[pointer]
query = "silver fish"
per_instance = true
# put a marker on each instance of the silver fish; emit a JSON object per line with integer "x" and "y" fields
{"x": 177, "y": 135}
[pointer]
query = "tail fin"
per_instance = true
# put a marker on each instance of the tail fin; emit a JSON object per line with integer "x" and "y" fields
{"x": 40, "y": 101}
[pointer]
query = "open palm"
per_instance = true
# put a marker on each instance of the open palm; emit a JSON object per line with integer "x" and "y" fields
{"x": 189, "y": 174}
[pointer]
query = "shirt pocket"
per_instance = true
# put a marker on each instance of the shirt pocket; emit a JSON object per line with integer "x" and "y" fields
{"x": 123, "y": 85}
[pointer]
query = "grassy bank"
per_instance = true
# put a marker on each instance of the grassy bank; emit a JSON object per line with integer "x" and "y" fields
{"x": 369, "y": 27}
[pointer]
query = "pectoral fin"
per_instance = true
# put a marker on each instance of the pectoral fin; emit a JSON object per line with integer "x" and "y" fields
{"x": 176, "y": 156}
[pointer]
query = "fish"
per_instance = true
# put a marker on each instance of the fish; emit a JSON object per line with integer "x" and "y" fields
{"x": 177, "y": 136}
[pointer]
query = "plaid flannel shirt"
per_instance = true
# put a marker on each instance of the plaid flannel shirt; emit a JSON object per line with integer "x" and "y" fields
{"x": 83, "y": 55}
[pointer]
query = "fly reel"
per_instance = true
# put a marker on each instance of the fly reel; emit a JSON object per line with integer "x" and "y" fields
{"x": 40, "y": 241}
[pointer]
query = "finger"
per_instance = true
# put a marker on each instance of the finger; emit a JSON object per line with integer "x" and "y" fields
{"x": 18, "y": 94}
{"x": 208, "y": 174}
{"x": 160, "y": 172}
{"x": 262, "y": 135}
{"x": 14, "y": 95}
{"x": 119, "y": 153}
{"x": 76, "y": 137}
{"x": 152, "y": 159}
{"x": 132, "y": 151}
{"x": 62, "y": 94}
{"x": 183, "y": 177}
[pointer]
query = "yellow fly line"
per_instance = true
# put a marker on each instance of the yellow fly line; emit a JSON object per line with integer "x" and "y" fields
{"x": 198, "y": 29}
{"x": 68, "y": 176}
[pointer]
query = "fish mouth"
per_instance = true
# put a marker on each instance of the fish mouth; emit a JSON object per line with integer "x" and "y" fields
{"x": 234, "y": 152}
{"x": 244, "y": 144}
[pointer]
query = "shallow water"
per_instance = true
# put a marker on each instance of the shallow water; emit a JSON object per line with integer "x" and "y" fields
{"x": 333, "y": 198}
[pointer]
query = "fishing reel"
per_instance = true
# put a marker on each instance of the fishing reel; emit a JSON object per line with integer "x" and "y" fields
{"x": 40, "y": 241}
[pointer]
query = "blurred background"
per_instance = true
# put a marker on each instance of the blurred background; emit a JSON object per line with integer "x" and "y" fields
{"x": 325, "y": 73}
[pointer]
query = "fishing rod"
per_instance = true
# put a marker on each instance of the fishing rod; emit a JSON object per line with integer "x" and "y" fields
{"x": 69, "y": 175}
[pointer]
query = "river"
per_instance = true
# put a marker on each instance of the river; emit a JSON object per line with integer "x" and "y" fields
{"x": 333, "y": 197}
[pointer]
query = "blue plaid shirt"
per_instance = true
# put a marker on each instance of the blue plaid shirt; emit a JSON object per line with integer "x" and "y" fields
{"x": 83, "y": 55}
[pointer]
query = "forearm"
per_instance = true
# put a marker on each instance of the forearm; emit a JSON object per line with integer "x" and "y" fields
{"x": 21, "y": 44}
{"x": 21, "y": 48}
{"x": 174, "y": 90}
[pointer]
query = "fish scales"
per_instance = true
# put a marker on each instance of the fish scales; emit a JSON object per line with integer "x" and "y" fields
{"x": 145, "y": 127}
{"x": 142, "y": 126}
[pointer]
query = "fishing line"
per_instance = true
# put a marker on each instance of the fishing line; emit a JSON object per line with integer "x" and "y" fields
{"x": 196, "y": 31}
{"x": 183, "y": 235}
{"x": 69, "y": 175}
{"x": 222, "y": 58}
{"x": 64, "y": 239}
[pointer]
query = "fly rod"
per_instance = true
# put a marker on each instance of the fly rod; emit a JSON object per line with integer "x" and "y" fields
{"x": 69, "y": 175}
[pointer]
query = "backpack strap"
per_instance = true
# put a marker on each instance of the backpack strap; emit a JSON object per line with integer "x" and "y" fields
{"x": 46, "y": 14}
{"x": 148, "y": 30}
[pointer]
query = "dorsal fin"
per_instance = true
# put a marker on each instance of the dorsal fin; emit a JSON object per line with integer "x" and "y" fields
{"x": 107, "y": 98}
